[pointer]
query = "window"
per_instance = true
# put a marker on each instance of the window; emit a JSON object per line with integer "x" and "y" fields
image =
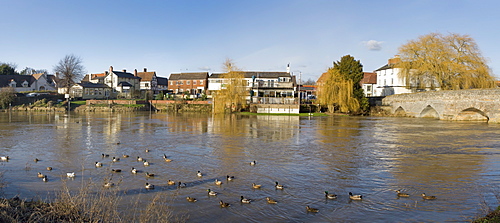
{"x": 194, "y": 82}
{"x": 171, "y": 83}
{"x": 146, "y": 85}
{"x": 188, "y": 82}
{"x": 201, "y": 82}
{"x": 369, "y": 88}
{"x": 181, "y": 82}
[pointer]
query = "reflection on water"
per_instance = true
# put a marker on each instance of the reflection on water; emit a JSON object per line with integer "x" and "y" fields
{"x": 456, "y": 161}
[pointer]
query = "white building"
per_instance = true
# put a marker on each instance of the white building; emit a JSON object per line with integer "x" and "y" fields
{"x": 388, "y": 80}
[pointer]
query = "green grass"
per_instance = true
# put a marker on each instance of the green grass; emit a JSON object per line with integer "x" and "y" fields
{"x": 284, "y": 114}
{"x": 78, "y": 102}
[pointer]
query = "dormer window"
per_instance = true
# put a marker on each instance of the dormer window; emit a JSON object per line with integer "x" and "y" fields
{"x": 12, "y": 83}
{"x": 25, "y": 84}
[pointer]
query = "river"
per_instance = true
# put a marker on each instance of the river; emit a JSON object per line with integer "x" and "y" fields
{"x": 458, "y": 162}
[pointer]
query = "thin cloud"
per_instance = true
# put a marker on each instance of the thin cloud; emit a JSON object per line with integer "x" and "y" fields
{"x": 373, "y": 45}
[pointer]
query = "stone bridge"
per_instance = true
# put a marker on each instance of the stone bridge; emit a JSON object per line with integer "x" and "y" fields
{"x": 460, "y": 105}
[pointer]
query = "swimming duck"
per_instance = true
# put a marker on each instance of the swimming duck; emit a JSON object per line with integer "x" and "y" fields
{"x": 70, "y": 174}
{"x": 166, "y": 158}
{"x": 218, "y": 182}
{"x": 98, "y": 164}
{"x": 211, "y": 192}
{"x": 140, "y": 159}
{"x": 191, "y": 199}
{"x": 355, "y": 196}
{"x": 229, "y": 178}
{"x": 36, "y": 160}
{"x": 309, "y": 209}
{"x": 428, "y": 197}
{"x": 116, "y": 170}
{"x": 245, "y": 200}
{"x": 104, "y": 155}
{"x": 330, "y": 196}
{"x": 45, "y": 179}
{"x": 125, "y": 156}
{"x": 181, "y": 185}
{"x": 171, "y": 182}
{"x": 271, "y": 201}
{"x": 150, "y": 174}
{"x": 223, "y": 204}
{"x": 199, "y": 174}
{"x": 146, "y": 163}
{"x": 109, "y": 184}
{"x": 4, "y": 158}
{"x": 278, "y": 186}
{"x": 116, "y": 159}
{"x": 147, "y": 150}
{"x": 49, "y": 168}
{"x": 149, "y": 186}
{"x": 253, "y": 163}
{"x": 402, "y": 194}
{"x": 40, "y": 175}
{"x": 133, "y": 170}
{"x": 256, "y": 186}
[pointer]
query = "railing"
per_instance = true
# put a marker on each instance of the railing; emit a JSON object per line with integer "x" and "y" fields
{"x": 273, "y": 100}
{"x": 274, "y": 84}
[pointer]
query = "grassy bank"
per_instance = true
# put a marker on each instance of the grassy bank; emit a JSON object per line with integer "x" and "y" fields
{"x": 490, "y": 218}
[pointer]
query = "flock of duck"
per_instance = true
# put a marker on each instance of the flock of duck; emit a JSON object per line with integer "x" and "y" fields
{"x": 210, "y": 192}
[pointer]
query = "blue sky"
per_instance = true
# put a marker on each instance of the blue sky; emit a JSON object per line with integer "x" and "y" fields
{"x": 265, "y": 35}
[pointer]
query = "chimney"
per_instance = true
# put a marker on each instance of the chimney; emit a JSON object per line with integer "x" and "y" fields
{"x": 110, "y": 69}
{"x": 135, "y": 72}
{"x": 145, "y": 69}
{"x": 394, "y": 60}
{"x": 288, "y": 68}
{"x": 124, "y": 71}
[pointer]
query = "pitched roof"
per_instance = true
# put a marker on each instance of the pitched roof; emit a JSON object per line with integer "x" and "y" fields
{"x": 146, "y": 76}
{"x": 92, "y": 85}
{"x": 37, "y": 76}
{"x": 162, "y": 80}
{"x": 258, "y": 74}
{"x": 385, "y": 67}
{"x": 125, "y": 75}
{"x": 369, "y": 78}
{"x": 322, "y": 78}
{"x": 188, "y": 76}
{"x": 123, "y": 83}
{"x": 5, "y": 80}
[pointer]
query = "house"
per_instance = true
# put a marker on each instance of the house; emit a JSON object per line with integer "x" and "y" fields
{"x": 123, "y": 83}
{"x": 89, "y": 90}
{"x": 45, "y": 82}
{"x": 95, "y": 78}
{"x": 388, "y": 80}
{"x": 190, "y": 83}
{"x": 148, "y": 81}
{"x": 368, "y": 83}
{"x": 35, "y": 82}
{"x": 162, "y": 83}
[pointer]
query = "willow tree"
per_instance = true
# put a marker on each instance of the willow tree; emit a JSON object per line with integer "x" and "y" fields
{"x": 340, "y": 88}
{"x": 231, "y": 96}
{"x": 451, "y": 62}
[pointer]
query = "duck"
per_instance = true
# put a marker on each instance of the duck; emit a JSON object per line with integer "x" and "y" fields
{"x": 245, "y": 200}
{"x": 271, "y": 201}
{"x": 229, "y": 178}
{"x": 330, "y": 196}
{"x": 170, "y": 182}
{"x": 310, "y": 209}
{"x": 191, "y": 199}
{"x": 70, "y": 174}
{"x": 181, "y": 185}
{"x": 150, "y": 174}
{"x": 224, "y": 204}
{"x": 146, "y": 163}
{"x": 211, "y": 192}
{"x": 402, "y": 194}
{"x": 253, "y": 163}
{"x": 426, "y": 197}
{"x": 355, "y": 196}
{"x": 36, "y": 160}
{"x": 98, "y": 164}
{"x": 40, "y": 175}
{"x": 218, "y": 182}
{"x": 149, "y": 186}
{"x": 278, "y": 186}
{"x": 118, "y": 143}
{"x": 166, "y": 158}
{"x": 116, "y": 170}
{"x": 109, "y": 184}
{"x": 4, "y": 158}
{"x": 49, "y": 168}
{"x": 256, "y": 186}
{"x": 104, "y": 155}
{"x": 199, "y": 174}
{"x": 116, "y": 159}
{"x": 140, "y": 159}
{"x": 147, "y": 150}
{"x": 45, "y": 179}
{"x": 125, "y": 156}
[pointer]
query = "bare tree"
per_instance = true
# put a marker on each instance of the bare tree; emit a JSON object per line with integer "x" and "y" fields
{"x": 69, "y": 69}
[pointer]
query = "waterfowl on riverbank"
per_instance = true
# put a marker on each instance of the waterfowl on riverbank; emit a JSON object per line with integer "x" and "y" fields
{"x": 199, "y": 174}
{"x": 229, "y": 178}
{"x": 271, "y": 201}
{"x": 166, "y": 158}
{"x": 256, "y": 186}
{"x": 149, "y": 186}
{"x": 279, "y": 186}
{"x": 146, "y": 163}
{"x": 191, "y": 199}
{"x": 181, "y": 185}
{"x": 109, "y": 184}
{"x": 49, "y": 168}
{"x": 36, "y": 160}
{"x": 224, "y": 204}
{"x": 426, "y": 197}
{"x": 4, "y": 158}
{"x": 310, "y": 209}
{"x": 147, "y": 150}
{"x": 245, "y": 200}
{"x": 98, "y": 164}
{"x": 330, "y": 196}
{"x": 355, "y": 196}
{"x": 104, "y": 155}
{"x": 211, "y": 192}
{"x": 116, "y": 170}
{"x": 45, "y": 178}
{"x": 125, "y": 156}
{"x": 140, "y": 159}
{"x": 218, "y": 182}
{"x": 40, "y": 175}
{"x": 253, "y": 163}
{"x": 70, "y": 174}
{"x": 398, "y": 192}
{"x": 150, "y": 174}
{"x": 170, "y": 182}
{"x": 133, "y": 170}
{"x": 115, "y": 159}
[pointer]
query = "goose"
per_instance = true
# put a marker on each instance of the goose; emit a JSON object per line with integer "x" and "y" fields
{"x": 191, "y": 199}
{"x": 355, "y": 196}
{"x": 40, "y": 175}
{"x": 116, "y": 170}
{"x": 402, "y": 194}
{"x": 218, "y": 182}
{"x": 211, "y": 192}
{"x": 256, "y": 186}
{"x": 224, "y": 204}
{"x": 199, "y": 174}
{"x": 253, "y": 163}
{"x": 49, "y": 168}
{"x": 171, "y": 182}
{"x": 150, "y": 174}
{"x": 271, "y": 201}
{"x": 425, "y": 197}
{"x": 330, "y": 196}
{"x": 109, "y": 184}
{"x": 146, "y": 163}
{"x": 279, "y": 186}
{"x": 70, "y": 174}
{"x": 140, "y": 159}
{"x": 149, "y": 186}
{"x": 245, "y": 200}
{"x": 98, "y": 164}
{"x": 4, "y": 158}
{"x": 229, "y": 178}
{"x": 116, "y": 159}
{"x": 181, "y": 185}
{"x": 45, "y": 179}
{"x": 309, "y": 209}
{"x": 166, "y": 158}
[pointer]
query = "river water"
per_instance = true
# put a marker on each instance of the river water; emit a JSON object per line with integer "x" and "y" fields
{"x": 458, "y": 162}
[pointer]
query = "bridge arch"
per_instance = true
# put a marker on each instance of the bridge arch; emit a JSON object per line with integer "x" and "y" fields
{"x": 472, "y": 114}
{"x": 429, "y": 112}
{"x": 400, "y": 111}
